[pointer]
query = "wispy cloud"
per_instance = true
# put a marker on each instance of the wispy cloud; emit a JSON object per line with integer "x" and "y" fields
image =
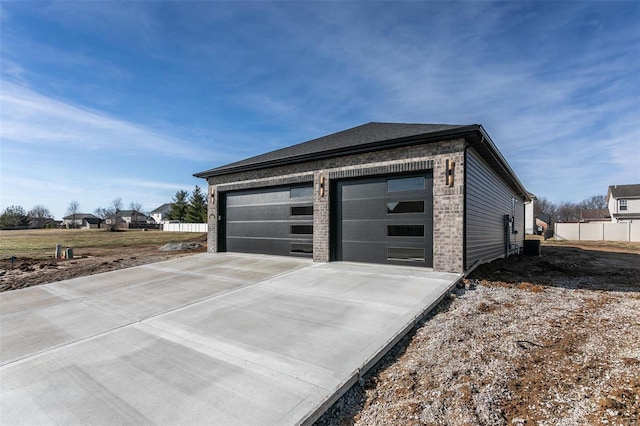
{"x": 146, "y": 184}
{"x": 29, "y": 117}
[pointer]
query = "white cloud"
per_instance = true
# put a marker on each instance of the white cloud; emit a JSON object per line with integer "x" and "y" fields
{"x": 29, "y": 117}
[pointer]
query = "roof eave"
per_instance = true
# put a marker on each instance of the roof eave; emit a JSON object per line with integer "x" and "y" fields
{"x": 502, "y": 164}
{"x": 462, "y": 131}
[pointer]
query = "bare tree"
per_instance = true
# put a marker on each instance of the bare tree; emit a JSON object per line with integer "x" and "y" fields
{"x": 73, "y": 210}
{"x": 568, "y": 212}
{"x": 135, "y": 211}
{"x": 594, "y": 202}
{"x": 40, "y": 215}
{"x": 543, "y": 205}
{"x": 103, "y": 213}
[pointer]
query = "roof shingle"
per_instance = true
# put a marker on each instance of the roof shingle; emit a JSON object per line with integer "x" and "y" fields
{"x": 625, "y": 191}
{"x": 356, "y": 137}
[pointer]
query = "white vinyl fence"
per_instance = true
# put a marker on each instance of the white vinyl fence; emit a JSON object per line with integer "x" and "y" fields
{"x": 604, "y": 231}
{"x": 185, "y": 227}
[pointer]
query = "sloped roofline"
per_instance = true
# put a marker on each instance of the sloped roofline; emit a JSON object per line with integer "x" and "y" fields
{"x": 623, "y": 191}
{"x": 475, "y": 135}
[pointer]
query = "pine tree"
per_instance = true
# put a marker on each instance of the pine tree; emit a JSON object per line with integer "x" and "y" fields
{"x": 14, "y": 217}
{"x": 179, "y": 206}
{"x": 197, "y": 209}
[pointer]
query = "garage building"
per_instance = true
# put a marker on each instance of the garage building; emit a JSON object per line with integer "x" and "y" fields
{"x": 431, "y": 195}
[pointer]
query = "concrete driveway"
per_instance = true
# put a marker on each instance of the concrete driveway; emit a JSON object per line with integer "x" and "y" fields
{"x": 227, "y": 339}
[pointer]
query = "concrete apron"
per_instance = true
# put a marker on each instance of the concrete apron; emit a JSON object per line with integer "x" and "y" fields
{"x": 217, "y": 339}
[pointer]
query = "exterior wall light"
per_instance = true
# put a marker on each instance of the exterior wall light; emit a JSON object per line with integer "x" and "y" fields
{"x": 450, "y": 167}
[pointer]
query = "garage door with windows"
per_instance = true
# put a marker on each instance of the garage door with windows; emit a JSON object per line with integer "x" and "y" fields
{"x": 384, "y": 220}
{"x": 269, "y": 221}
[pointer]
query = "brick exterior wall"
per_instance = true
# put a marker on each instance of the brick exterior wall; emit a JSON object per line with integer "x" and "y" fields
{"x": 448, "y": 201}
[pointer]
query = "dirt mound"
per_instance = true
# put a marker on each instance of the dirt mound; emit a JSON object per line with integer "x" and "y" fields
{"x": 181, "y": 246}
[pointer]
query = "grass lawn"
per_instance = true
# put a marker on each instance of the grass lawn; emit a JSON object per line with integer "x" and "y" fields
{"x": 41, "y": 243}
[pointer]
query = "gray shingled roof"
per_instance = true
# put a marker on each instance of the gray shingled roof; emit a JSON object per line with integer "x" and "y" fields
{"x": 357, "y": 138}
{"x": 162, "y": 209}
{"x": 372, "y": 137}
{"x": 128, "y": 213}
{"x": 625, "y": 191}
{"x": 80, "y": 216}
{"x": 595, "y": 214}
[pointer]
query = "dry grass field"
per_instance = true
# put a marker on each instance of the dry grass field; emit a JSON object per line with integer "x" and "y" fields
{"x": 94, "y": 251}
{"x": 41, "y": 243}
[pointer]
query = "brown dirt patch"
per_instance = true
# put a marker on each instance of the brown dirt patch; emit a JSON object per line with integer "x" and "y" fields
{"x": 536, "y": 340}
{"x": 28, "y": 272}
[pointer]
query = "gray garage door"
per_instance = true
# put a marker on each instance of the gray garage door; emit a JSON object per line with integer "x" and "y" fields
{"x": 269, "y": 221}
{"x": 385, "y": 220}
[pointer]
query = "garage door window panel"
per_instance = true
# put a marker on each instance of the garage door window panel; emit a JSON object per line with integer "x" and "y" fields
{"x": 406, "y": 184}
{"x": 302, "y": 229}
{"x": 301, "y": 192}
{"x": 301, "y": 248}
{"x": 405, "y": 230}
{"x": 302, "y": 211}
{"x": 400, "y": 207}
{"x": 406, "y": 254}
{"x": 258, "y": 213}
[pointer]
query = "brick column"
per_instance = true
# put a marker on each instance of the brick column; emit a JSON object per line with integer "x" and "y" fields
{"x": 212, "y": 215}
{"x": 448, "y": 214}
{"x": 321, "y": 217}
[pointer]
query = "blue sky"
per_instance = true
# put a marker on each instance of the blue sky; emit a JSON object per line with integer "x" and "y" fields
{"x": 100, "y": 100}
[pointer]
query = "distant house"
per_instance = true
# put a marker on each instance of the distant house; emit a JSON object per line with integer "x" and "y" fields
{"x": 128, "y": 219}
{"x": 623, "y": 202}
{"x": 91, "y": 223}
{"x": 543, "y": 225}
{"x": 46, "y": 223}
{"x": 161, "y": 214}
{"x": 595, "y": 215}
{"x": 133, "y": 216}
{"x": 76, "y": 221}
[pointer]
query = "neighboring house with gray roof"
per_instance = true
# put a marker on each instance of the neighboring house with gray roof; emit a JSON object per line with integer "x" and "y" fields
{"x": 128, "y": 219}
{"x": 432, "y": 195}
{"x": 161, "y": 214}
{"x": 623, "y": 202}
{"x": 595, "y": 215}
{"x": 76, "y": 221}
